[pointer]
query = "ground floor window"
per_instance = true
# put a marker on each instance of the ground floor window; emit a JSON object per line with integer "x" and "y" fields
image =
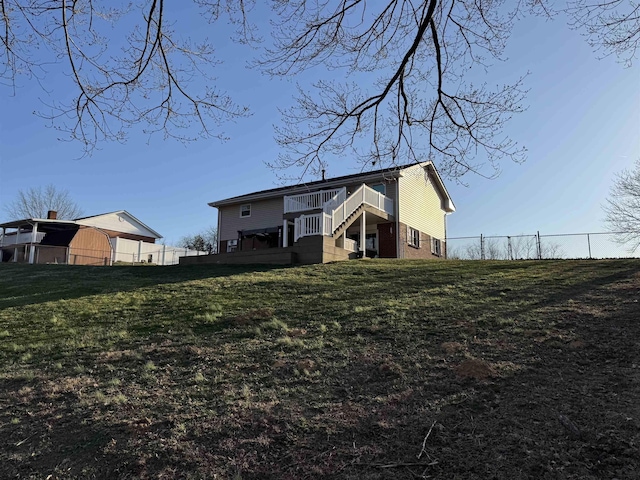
{"x": 413, "y": 237}
{"x": 436, "y": 246}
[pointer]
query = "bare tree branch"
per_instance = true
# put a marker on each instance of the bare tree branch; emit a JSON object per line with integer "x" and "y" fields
{"x": 611, "y": 26}
{"x": 36, "y": 202}
{"x": 420, "y": 107}
{"x": 397, "y": 91}
{"x": 622, "y": 208}
{"x": 151, "y": 76}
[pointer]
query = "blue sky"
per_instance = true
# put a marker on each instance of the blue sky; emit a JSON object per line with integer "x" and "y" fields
{"x": 582, "y": 125}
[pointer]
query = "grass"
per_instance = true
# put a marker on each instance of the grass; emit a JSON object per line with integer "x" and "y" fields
{"x": 334, "y": 370}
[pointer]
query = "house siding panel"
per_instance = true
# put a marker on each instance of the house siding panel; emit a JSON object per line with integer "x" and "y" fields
{"x": 264, "y": 214}
{"x": 420, "y": 203}
{"x": 117, "y": 222}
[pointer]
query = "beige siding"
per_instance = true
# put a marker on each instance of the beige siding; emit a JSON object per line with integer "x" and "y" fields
{"x": 420, "y": 203}
{"x": 264, "y": 214}
{"x": 117, "y": 222}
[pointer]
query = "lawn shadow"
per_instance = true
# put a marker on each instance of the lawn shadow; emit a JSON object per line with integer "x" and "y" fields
{"x": 33, "y": 284}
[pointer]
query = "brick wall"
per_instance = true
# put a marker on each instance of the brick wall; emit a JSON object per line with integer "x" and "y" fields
{"x": 423, "y": 251}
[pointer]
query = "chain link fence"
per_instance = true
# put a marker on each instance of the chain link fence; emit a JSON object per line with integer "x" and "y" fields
{"x": 537, "y": 246}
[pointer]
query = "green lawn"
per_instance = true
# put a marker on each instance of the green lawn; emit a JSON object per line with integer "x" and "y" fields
{"x": 361, "y": 369}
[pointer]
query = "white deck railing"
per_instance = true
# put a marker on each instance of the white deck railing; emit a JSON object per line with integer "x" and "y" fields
{"x": 364, "y": 194}
{"x": 327, "y": 222}
{"x": 350, "y": 245}
{"x": 22, "y": 237}
{"x": 314, "y": 200}
{"x": 314, "y": 224}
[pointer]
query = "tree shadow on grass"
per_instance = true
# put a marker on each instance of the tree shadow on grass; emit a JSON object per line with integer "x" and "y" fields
{"x": 32, "y": 284}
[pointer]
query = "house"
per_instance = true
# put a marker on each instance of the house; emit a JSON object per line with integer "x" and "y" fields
{"x": 390, "y": 213}
{"x": 96, "y": 240}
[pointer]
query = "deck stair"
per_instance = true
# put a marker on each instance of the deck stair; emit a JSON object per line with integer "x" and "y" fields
{"x": 336, "y": 218}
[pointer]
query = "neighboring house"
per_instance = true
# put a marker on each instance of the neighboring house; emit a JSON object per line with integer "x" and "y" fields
{"x": 96, "y": 240}
{"x": 389, "y": 213}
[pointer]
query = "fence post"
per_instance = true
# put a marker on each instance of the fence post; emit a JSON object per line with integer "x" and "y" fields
{"x": 164, "y": 250}
{"x": 509, "y": 249}
{"x": 481, "y": 247}
{"x": 589, "y": 244}
{"x": 539, "y": 245}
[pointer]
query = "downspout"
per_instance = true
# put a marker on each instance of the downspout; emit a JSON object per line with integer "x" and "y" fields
{"x": 398, "y": 219}
{"x": 218, "y": 239}
{"x": 445, "y": 235}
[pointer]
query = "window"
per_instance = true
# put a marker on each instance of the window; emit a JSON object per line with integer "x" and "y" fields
{"x": 436, "y": 247}
{"x": 413, "y": 237}
{"x": 232, "y": 246}
{"x": 245, "y": 210}
{"x": 380, "y": 188}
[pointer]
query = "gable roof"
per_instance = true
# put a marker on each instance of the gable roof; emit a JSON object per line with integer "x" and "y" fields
{"x": 384, "y": 173}
{"x": 95, "y": 220}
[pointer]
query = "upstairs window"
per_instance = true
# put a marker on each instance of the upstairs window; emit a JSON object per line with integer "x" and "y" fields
{"x": 245, "y": 210}
{"x": 413, "y": 237}
{"x": 380, "y": 188}
{"x": 436, "y": 247}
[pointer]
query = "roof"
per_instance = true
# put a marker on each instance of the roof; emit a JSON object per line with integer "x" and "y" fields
{"x": 394, "y": 172}
{"x": 305, "y": 187}
{"x": 39, "y": 221}
{"x": 123, "y": 212}
{"x": 77, "y": 221}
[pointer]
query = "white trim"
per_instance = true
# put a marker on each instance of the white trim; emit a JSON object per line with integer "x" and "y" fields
{"x": 242, "y": 208}
{"x": 436, "y": 246}
{"x": 413, "y": 237}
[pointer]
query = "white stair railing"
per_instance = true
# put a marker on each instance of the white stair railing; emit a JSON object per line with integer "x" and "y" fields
{"x": 327, "y": 222}
{"x": 364, "y": 194}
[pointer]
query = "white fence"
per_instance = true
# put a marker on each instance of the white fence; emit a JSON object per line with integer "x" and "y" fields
{"x": 128, "y": 252}
{"x": 132, "y": 251}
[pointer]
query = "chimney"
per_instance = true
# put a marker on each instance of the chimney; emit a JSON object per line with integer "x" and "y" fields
{"x": 52, "y": 215}
{"x": 323, "y": 172}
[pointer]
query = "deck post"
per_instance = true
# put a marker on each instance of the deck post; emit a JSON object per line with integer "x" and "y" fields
{"x": 363, "y": 233}
{"x": 285, "y": 236}
{"x": 34, "y": 236}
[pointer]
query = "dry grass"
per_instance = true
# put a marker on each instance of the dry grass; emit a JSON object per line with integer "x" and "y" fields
{"x": 334, "y": 371}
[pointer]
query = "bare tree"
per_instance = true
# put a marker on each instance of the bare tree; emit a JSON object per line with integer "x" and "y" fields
{"x": 205, "y": 241}
{"x": 149, "y": 75}
{"x": 406, "y": 95}
{"x": 550, "y": 250}
{"x": 37, "y": 201}
{"x": 623, "y": 207}
{"x": 404, "y": 65}
{"x": 611, "y": 26}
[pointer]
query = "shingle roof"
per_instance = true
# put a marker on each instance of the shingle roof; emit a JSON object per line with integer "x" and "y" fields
{"x": 310, "y": 185}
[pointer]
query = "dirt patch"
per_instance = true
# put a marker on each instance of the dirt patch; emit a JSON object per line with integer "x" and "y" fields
{"x": 475, "y": 368}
